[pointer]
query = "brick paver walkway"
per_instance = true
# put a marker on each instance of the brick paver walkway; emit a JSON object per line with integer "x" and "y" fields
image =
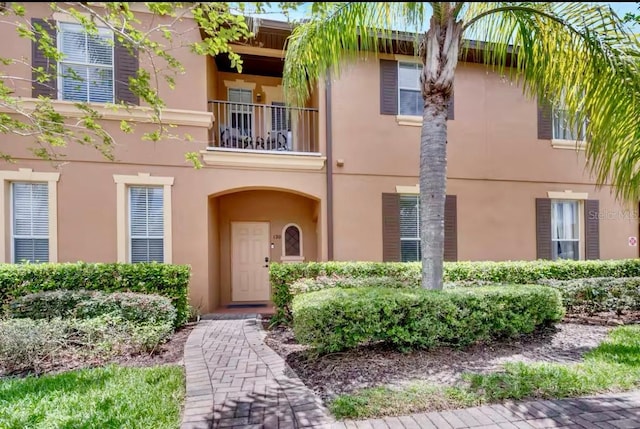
{"x": 235, "y": 381}
{"x": 619, "y": 411}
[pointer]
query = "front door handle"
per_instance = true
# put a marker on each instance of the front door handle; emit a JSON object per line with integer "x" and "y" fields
{"x": 266, "y": 259}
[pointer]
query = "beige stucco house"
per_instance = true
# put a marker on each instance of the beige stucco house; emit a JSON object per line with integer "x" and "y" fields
{"x": 333, "y": 180}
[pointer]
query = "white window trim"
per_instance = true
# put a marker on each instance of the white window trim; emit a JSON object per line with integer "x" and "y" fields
{"x": 299, "y": 258}
{"x": 578, "y": 145}
{"x": 113, "y": 66}
{"x": 27, "y": 175}
{"x": 142, "y": 179}
{"x": 410, "y": 120}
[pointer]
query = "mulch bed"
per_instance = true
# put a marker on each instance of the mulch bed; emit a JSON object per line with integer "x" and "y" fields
{"x": 168, "y": 353}
{"x": 379, "y": 364}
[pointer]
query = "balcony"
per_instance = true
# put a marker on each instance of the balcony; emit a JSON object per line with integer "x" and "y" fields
{"x": 263, "y": 136}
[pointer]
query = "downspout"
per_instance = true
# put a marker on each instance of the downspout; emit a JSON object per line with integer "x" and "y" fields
{"x": 329, "y": 141}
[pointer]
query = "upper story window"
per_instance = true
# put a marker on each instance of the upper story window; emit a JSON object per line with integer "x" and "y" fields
{"x": 564, "y": 128}
{"x": 241, "y": 111}
{"x": 30, "y": 221}
{"x": 146, "y": 223}
{"x": 410, "y": 228}
{"x": 565, "y": 229}
{"x": 86, "y": 72}
{"x": 410, "y": 100}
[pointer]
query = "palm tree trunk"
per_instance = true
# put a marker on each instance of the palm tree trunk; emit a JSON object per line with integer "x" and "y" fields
{"x": 433, "y": 178}
{"x": 439, "y": 52}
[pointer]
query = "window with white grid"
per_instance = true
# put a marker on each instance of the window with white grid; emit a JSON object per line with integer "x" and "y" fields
{"x": 146, "y": 224}
{"x": 86, "y": 70}
{"x": 30, "y": 222}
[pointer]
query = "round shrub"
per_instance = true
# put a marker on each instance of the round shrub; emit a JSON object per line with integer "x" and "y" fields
{"x": 336, "y": 319}
{"x": 134, "y": 307}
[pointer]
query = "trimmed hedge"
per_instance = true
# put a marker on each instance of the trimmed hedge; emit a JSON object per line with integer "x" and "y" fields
{"x": 595, "y": 295}
{"x": 335, "y": 319}
{"x": 167, "y": 280}
{"x": 516, "y": 272}
{"x": 81, "y": 304}
{"x": 324, "y": 282}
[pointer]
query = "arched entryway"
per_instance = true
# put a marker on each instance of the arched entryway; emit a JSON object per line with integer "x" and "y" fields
{"x": 249, "y": 229}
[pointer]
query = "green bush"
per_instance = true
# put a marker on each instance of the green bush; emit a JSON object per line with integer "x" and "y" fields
{"x": 135, "y": 307}
{"x": 336, "y": 319}
{"x": 325, "y": 282}
{"x": 511, "y": 272}
{"x": 35, "y": 345}
{"x": 167, "y": 280}
{"x": 601, "y": 294}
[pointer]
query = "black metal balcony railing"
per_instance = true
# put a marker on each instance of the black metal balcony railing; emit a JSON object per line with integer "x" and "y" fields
{"x": 265, "y": 127}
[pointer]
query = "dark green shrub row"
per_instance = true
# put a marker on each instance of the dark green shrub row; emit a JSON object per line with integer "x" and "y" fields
{"x": 516, "y": 272}
{"x": 167, "y": 280}
{"x": 81, "y": 304}
{"x": 595, "y": 295}
{"x": 336, "y": 319}
{"x": 325, "y": 282}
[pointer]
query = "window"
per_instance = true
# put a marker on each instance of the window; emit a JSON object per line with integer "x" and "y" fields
{"x": 30, "y": 222}
{"x": 563, "y": 128}
{"x": 410, "y": 228}
{"x": 292, "y": 244}
{"x": 292, "y": 241}
{"x": 565, "y": 229}
{"x": 280, "y": 117}
{"x": 146, "y": 223}
{"x": 86, "y": 70}
{"x": 410, "y": 97}
{"x": 143, "y": 218}
{"x": 241, "y": 110}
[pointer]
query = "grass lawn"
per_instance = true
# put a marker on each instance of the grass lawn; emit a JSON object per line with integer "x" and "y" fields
{"x": 110, "y": 397}
{"x": 613, "y": 365}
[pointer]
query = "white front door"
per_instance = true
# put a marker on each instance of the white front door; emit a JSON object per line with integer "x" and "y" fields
{"x": 249, "y": 270}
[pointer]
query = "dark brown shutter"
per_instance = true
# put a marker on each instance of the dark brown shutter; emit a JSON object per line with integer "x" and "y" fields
{"x": 450, "y": 110}
{"x": 38, "y": 59}
{"x": 545, "y": 121}
{"x": 451, "y": 228}
{"x": 543, "y": 228}
{"x": 591, "y": 229}
{"x": 125, "y": 66}
{"x": 391, "y": 227}
{"x": 388, "y": 87}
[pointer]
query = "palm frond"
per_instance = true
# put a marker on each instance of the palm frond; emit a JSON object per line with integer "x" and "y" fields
{"x": 343, "y": 32}
{"x": 578, "y": 56}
